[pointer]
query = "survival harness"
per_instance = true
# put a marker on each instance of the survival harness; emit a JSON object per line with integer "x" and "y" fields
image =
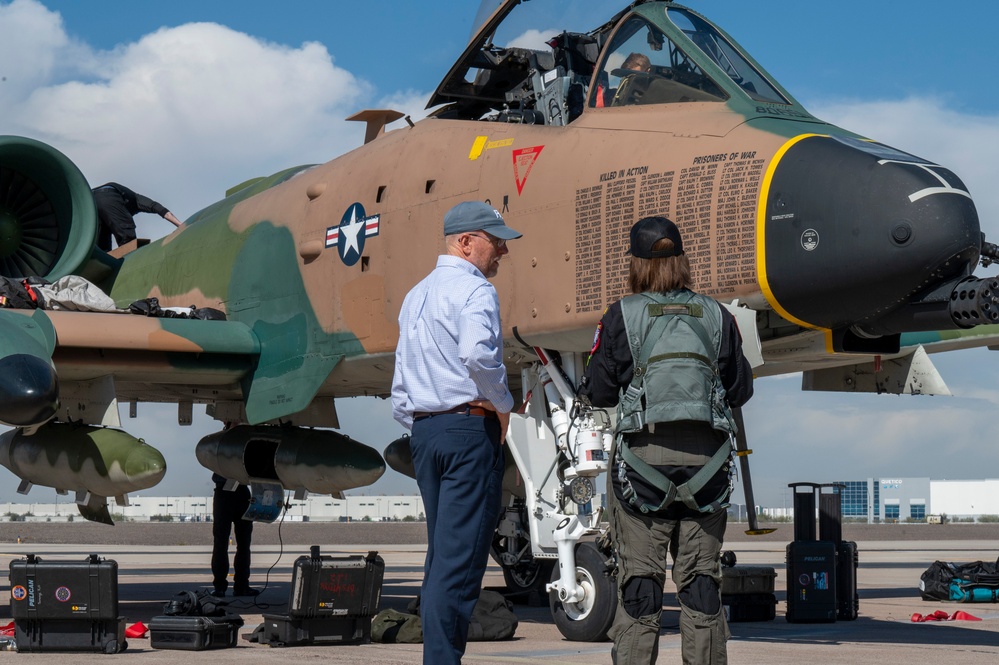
{"x": 676, "y": 372}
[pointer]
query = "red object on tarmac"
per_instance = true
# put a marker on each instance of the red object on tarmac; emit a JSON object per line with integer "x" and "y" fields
{"x": 8, "y": 630}
{"x": 940, "y": 615}
{"x": 136, "y": 630}
{"x": 961, "y": 615}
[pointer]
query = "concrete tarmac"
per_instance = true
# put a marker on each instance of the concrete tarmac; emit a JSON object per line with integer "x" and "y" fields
{"x": 151, "y": 574}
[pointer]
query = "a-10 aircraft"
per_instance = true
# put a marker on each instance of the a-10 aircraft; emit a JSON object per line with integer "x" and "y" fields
{"x": 842, "y": 257}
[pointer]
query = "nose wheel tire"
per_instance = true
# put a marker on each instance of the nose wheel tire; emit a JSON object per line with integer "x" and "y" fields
{"x": 588, "y": 619}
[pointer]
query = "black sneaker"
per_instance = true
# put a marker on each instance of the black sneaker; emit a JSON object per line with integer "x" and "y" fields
{"x": 219, "y": 594}
{"x": 248, "y": 591}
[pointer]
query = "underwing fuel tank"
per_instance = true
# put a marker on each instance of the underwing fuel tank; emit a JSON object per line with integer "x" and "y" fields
{"x": 314, "y": 460}
{"x": 95, "y": 462}
{"x": 399, "y": 457}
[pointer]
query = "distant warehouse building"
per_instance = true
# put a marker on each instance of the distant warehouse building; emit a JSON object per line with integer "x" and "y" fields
{"x": 316, "y": 507}
{"x": 965, "y": 498}
{"x": 914, "y": 499}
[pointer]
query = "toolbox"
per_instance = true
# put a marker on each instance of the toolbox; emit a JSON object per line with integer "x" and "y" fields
{"x": 749, "y": 607}
{"x": 331, "y": 601}
{"x": 70, "y": 635}
{"x": 737, "y": 580}
{"x": 747, "y": 593}
{"x": 194, "y": 633}
{"x": 286, "y": 631}
{"x": 66, "y": 605}
{"x": 323, "y": 585}
{"x": 42, "y": 590}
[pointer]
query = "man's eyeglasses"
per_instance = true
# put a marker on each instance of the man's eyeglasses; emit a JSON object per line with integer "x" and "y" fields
{"x": 498, "y": 243}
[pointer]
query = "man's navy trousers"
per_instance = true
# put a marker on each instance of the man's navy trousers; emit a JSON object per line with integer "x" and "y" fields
{"x": 459, "y": 468}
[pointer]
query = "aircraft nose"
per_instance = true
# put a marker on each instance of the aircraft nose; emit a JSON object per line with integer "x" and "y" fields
{"x": 145, "y": 466}
{"x": 29, "y": 390}
{"x": 853, "y": 230}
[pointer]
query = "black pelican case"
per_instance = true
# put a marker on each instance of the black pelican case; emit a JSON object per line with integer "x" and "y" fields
{"x": 194, "y": 633}
{"x": 323, "y": 585}
{"x": 331, "y": 601}
{"x": 811, "y": 581}
{"x": 66, "y": 605}
{"x": 747, "y": 593}
{"x": 285, "y": 631}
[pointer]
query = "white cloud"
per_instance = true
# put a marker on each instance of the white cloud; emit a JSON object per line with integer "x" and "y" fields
{"x": 535, "y": 39}
{"x": 183, "y": 113}
{"x": 33, "y": 48}
{"x": 408, "y": 102}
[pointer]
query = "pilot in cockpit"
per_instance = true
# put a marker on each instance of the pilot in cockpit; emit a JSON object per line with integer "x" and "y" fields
{"x": 637, "y": 62}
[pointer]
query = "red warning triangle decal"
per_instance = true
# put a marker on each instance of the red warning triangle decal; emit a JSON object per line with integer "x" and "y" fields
{"x": 523, "y": 162}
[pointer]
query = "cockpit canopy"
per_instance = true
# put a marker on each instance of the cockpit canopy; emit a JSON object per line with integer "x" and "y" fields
{"x": 513, "y": 70}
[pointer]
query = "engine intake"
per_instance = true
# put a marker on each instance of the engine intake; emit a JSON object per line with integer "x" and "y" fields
{"x": 48, "y": 222}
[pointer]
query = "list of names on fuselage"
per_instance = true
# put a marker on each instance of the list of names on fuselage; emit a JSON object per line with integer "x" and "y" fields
{"x": 589, "y": 248}
{"x": 713, "y": 201}
{"x": 695, "y": 191}
{"x": 735, "y": 253}
{"x": 619, "y": 215}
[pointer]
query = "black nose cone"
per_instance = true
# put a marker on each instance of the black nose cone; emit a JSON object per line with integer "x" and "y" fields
{"x": 854, "y": 230}
{"x": 29, "y": 390}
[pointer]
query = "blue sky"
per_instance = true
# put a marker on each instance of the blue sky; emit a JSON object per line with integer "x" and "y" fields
{"x": 183, "y": 99}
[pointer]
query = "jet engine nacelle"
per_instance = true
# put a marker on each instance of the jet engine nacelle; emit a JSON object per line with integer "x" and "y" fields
{"x": 48, "y": 221}
{"x": 318, "y": 461}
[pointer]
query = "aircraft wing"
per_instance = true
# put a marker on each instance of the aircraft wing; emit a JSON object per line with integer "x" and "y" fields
{"x": 98, "y": 357}
{"x": 911, "y": 371}
{"x": 954, "y": 340}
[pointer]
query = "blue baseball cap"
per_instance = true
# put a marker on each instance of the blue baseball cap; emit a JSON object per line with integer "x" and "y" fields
{"x": 477, "y": 216}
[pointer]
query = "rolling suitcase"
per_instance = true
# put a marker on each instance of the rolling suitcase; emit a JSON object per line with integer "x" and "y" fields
{"x": 847, "y": 598}
{"x": 811, "y": 581}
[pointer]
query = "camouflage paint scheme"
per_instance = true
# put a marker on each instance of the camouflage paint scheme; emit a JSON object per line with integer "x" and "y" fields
{"x": 94, "y": 462}
{"x": 296, "y": 456}
{"x": 311, "y": 264}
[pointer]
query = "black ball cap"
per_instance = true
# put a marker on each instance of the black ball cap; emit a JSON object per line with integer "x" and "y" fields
{"x": 648, "y": 231}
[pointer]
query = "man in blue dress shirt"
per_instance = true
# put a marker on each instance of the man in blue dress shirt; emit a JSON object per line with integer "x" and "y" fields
{"x": 450, "y": 388}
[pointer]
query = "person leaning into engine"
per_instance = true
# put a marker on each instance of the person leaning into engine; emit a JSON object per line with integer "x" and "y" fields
{"x": 671, "y": 361}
